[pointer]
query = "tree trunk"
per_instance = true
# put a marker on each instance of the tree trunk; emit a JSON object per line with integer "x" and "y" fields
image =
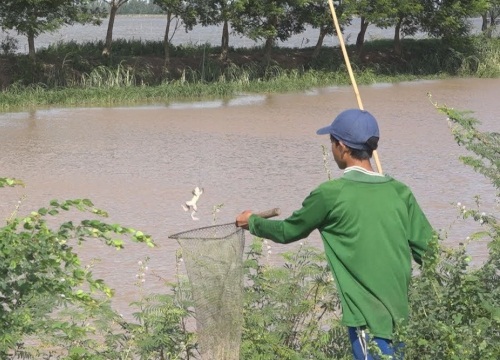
{"x": 360, "y": 40}
{"x": 322, "y": 33}
{"x": 166, "y": 42}
{"x": 484, "y": 24}
{"x": 268, "y": 47}
{"x": 31, "y": 46}
{"x": 225, "y": 41}
{"x": 397, "y": 38}
{"x": 109, "y": 34}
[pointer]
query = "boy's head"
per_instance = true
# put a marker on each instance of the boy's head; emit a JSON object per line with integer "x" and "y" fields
{"x": 357, "y": 129}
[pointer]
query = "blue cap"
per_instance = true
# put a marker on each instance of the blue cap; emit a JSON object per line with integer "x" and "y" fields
{"x": 354, "y": 128}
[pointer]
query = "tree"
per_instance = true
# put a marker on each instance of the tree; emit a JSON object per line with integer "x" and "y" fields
{"x": 34, "y": 17}
{"x": 406, "y": 20}
{"x": 490, "y": 17}
{"x": 402, "y": 14}
{"x": 179, "y": 11}
{"x": 214, "y": 12}
{"x": 369, "y": 11}
{"x": 449, "y": 19}
{"x": 269, "y": 20}
{"x": 318, "y": 14}
{"x": 114, "y": 5}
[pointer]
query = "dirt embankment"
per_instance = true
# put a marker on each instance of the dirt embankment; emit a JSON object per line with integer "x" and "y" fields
{"x": 12, "y": 69}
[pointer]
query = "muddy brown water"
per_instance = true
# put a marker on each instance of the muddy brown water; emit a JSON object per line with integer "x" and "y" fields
{"x": 249, "y": 152}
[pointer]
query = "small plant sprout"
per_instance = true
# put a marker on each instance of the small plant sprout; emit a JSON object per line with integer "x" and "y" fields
{"x": 141, "y": 275}
{"x": 326, "y": 155}
{"x": 178, "y": 260}
{"x": 215, "y": 210}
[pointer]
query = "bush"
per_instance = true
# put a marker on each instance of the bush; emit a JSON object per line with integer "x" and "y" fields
{"x": 455, "y": 308}
{"x": 41, "y": 275}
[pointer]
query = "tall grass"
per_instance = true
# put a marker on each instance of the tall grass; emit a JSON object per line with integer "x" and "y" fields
{"x": 485, "y": 63}
{"x": 103, "y": 76}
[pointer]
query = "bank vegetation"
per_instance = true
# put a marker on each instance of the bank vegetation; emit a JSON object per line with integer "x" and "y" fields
{"x": 116, "y": 71}
{"x": 71, "y": 74}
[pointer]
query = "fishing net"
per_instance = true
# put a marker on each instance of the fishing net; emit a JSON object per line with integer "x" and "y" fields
{"x": 213, "y": 257}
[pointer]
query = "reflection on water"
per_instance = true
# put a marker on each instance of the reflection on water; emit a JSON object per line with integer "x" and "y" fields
{"x": 237, "y": 101}
{"x": 250, "y": 152}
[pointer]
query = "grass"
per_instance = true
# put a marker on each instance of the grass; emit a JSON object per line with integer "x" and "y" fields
{"x": 114, "y": 91}
{"x": 70, "y": 74}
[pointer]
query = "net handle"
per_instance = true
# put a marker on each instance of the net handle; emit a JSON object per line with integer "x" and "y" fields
{"x": 269, "y": 213}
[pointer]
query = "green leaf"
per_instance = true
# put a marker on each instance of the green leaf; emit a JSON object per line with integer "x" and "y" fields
{"x": 117, "y": 243}
{"x": 457, "y": 318}
{"x": 87, "y": 202}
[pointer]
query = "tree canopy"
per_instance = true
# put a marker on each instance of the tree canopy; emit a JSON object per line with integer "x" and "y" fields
{"x": 34, "y": 17}
{"x": 260, "y": 19}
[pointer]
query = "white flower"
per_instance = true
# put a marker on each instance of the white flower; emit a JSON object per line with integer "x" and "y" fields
{"x": 481, "y": 221}
{"x": 483, "y": 214}
{"x": 459, "y": 204}
{"x": 139, "y": 263}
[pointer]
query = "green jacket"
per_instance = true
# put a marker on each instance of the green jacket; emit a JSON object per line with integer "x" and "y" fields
{"x": 370, "y": 226}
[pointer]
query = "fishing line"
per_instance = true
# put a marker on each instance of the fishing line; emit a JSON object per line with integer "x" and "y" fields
{"x": 351, "y": 74}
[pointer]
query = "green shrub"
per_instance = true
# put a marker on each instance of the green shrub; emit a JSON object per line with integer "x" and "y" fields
{"x": 291, "y": 311}
{"x": 41, "y": 274}
{"x": 455, "y": 307}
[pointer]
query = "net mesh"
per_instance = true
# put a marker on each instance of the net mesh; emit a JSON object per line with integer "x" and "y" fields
{"x": 213, "y": 259}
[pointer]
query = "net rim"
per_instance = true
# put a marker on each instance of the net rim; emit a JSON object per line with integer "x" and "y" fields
{"x": 181, "y": 235}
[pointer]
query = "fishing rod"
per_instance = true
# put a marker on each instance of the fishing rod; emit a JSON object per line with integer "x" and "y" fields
{"x": 351, "y": 74}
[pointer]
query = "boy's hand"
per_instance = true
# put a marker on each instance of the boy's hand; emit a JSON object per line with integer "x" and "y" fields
{"x": 242, "y": 219}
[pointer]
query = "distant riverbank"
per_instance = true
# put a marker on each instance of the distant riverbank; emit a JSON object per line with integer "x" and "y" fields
{"x": 73, "y": 74}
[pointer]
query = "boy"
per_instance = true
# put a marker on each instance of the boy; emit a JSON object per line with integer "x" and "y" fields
{"x": 371, "y": 226}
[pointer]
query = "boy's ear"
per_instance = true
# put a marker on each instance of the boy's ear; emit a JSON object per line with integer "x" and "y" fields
{"x": 343, "y": 148}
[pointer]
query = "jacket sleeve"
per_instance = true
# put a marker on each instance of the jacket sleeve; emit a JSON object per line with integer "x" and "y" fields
{"x": 298, "y": 226}
{"x": 420, "y": 231}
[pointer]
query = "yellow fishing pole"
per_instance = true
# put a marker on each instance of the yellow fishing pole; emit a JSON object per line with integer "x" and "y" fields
{"x": 351, "y": 75}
